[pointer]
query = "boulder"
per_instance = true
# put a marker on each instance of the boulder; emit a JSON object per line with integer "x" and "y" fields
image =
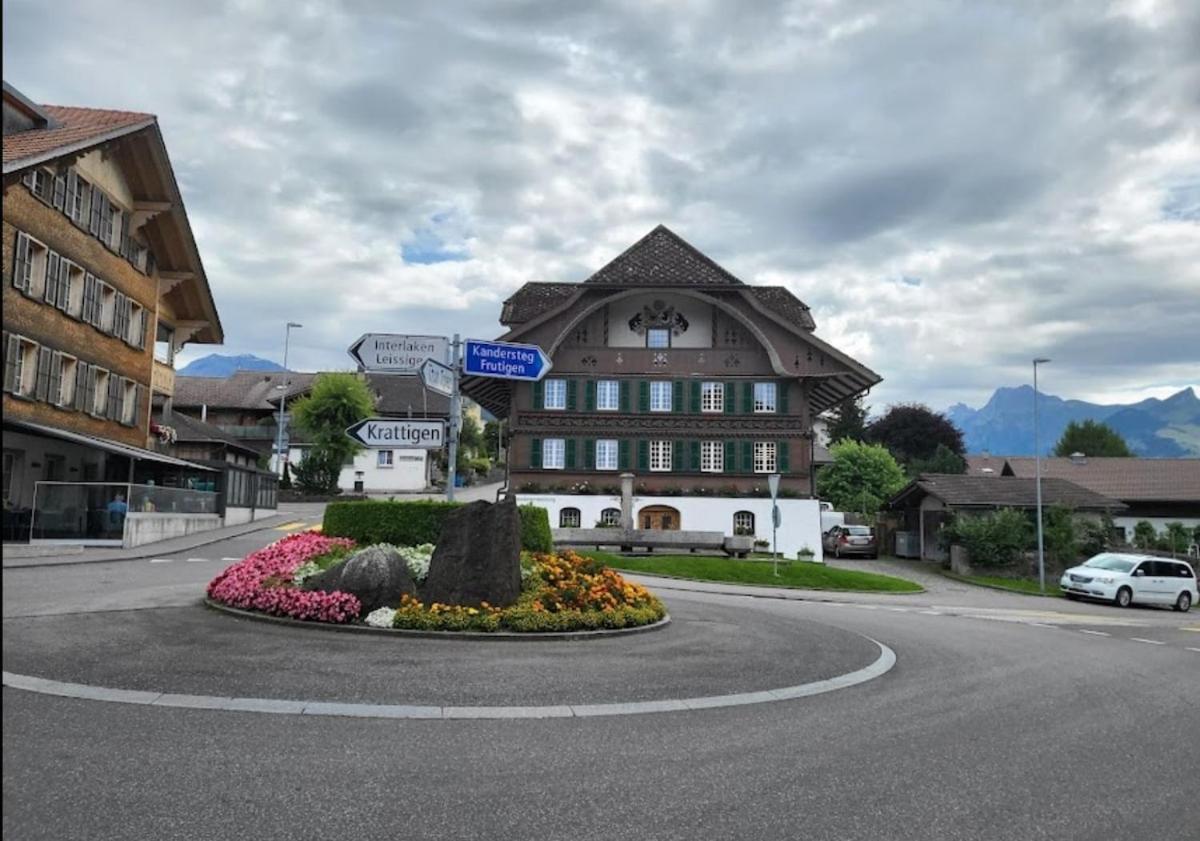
{"x": 478, "y": 556}
{"x": 377, "y": 575}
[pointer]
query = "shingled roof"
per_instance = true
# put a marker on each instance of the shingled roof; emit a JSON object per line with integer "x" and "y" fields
{"x": 1127, "y": 479}
{"x": 395, "y": 395}
{"x": 191, "y": 430}
{"x": 70, "y": 129}
{"x": 533, "y": 299}
{"x": 662, "y": 258}
{"x": 964, "y": 491}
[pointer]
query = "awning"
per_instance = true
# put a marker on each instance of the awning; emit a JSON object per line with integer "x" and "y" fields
{"x": 104, "y": 444}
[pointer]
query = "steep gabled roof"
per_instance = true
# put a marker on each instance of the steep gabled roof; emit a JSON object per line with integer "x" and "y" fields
{"x": 533, "y": 299}
{"x": 662, "y": 258}
{"x": 71, "y": 129}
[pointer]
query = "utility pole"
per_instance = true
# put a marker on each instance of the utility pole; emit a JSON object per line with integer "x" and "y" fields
{"x": 280, "y": 458}
{"x": 1037, "y": 460}
{"x": 455, "y": 417}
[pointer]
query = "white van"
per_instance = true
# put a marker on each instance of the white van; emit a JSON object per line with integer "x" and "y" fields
{"x": 1126, "y": 579}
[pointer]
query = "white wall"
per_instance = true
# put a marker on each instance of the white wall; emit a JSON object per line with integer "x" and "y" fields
{"x": 1159, "y": 523}
{"x": 801, "y": 526}
{"x": 698, "y": 315}
{"x": 409, "y": 471}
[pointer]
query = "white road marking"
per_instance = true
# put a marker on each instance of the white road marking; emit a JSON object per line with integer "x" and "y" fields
{"x": 1148, "y": 642}
{"x": 230, "y": 559}
{"x": 1094, "y": 633}
{"x": 161, "y": 560}
{"x": 930, "y": 612}
{"x": 197, "y": 560}
{"x": 1042, "y": 625}
{"x": 1197, "y": 650}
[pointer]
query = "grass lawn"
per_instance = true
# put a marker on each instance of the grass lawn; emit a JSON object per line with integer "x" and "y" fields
{"x": 800, "y": 574}
{"x": 1028, "y": 586}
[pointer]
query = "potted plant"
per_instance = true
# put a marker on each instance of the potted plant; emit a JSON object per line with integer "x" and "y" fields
{"x": 805, "y": 554}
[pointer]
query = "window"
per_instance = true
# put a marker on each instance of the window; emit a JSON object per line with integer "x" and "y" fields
{"x": 106, "y": 308}
{"x": 554, "y": 452}
{"x": 64, "y": 395}
{"x": 743, "y": 523}
{"x": 660, "y": 396}
{"x": 41, "y": 183}
{"x": 130, "y": 400}
{"x": 764, "y": 397}
{"x": 660, "y": 456}
{"x": 29, "y": 266}
{"x": 610, "y": 517}
{"x": 71, "y": 291}
{"x": 608, "y": 395}
{"x": 79, "y": 192}
{"x": 569, "y": 518}
{"x": 712, "y": 397}
{"x": 554, "y": 394}
{"x": 658, "y": 337}
{"x": 164, "y": 344}
{"x": 383, "y": 458}
{"x": 712, "y": 456}
{"x": 101, "y": 393}
{"x": 764, "y": 456}
{"x": 20, "y": 365}
{"x": 606, "y": 455}
{"x": 122, "y": 311}
{"x": 135, "y": 334}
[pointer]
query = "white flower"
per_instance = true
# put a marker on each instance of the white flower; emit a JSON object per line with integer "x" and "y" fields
{"x": 381, "y": 618}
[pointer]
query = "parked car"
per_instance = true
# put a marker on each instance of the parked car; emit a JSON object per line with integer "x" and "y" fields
{"x": 1125, "y": 579}
{"x": 842, "y": 541}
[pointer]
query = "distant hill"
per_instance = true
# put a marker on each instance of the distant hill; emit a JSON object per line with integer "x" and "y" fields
{"x": 216, "y": 365}
{"x": 1167, "y": 428}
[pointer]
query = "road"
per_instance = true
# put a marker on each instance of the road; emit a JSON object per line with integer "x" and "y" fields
{"x": 1004, "y": 717}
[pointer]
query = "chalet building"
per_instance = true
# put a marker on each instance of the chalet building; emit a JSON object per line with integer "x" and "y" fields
{"x": 667, "y": 366}
{"x": 103, "y": 284}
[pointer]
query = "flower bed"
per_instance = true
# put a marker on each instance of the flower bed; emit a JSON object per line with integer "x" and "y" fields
{"x": 263, "y": 581}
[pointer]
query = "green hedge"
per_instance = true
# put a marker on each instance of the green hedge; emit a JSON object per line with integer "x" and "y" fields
{"x": 412, "y": 523}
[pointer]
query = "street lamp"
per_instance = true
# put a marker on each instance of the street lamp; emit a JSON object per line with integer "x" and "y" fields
{"x": 280, "y": 461}
{"x": 1037, "y": 461}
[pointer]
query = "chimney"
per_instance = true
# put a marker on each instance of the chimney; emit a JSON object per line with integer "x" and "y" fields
{"x": 1078, "y": 458}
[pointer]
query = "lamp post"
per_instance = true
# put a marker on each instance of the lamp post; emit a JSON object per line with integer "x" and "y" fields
{"x": 280, "y": 461}
{"x": 1037, "y": 461}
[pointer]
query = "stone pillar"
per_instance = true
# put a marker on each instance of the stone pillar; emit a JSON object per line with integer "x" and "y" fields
{"x": 627, "y": 501}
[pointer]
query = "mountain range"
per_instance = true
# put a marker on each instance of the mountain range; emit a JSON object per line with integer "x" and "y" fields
{"x": 1168, "y": 428}
{"x": 216, "y": 365}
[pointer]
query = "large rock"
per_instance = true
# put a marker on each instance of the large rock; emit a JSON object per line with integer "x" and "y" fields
{"x": 377, "y": 575}
{"x": 478, "y": 556}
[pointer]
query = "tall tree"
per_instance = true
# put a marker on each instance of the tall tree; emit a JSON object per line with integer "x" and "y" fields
{"x": 1092, "y": 438}
{"x": 943, "y": 460}
{"x": 335, "y": 402}
{"x": 911, "y": 431}
{"x": 847, "y": 419}
{"x": 861, "y": 478}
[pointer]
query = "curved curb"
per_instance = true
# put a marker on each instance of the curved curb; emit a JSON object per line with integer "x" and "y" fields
{"x": 783, "y": 587}
{"x": 882, "y": 665}
{"x": 505, "y": 636}
{"x": 949, "y": 576}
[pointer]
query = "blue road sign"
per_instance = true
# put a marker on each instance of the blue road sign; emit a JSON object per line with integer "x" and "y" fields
{"x": 504, "y": 360}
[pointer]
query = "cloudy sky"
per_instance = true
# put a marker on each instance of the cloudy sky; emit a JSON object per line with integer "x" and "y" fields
{"x": 954, "y": 188}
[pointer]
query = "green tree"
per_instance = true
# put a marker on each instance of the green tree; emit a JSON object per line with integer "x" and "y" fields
{"x": 491, "y": 439}
{"x": 943, "y": 460}
{"x": 913, "y": 432}
{"x": 335, "y": 401}
{"x": 1144, "y": 535}
{"x": 861, "y": 478}
{"x": 1092, "y": 439}
{"x": 996, "y": 538}
{"x": 1177, "y": 538}
{"x": 470, "y": 436}
{"x": 1059, "y": 537}
{"x": 847, "y": 419}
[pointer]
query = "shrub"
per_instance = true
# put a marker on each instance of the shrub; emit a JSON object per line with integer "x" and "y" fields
{"x": 1144, "y": 535}
{"x": 415, "y": 522}
{"x": 535, "y": 529}
{"x": 1060, "y": 540}
{"x": 994, "y": 539}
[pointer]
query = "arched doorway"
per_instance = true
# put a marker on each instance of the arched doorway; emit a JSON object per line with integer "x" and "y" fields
{"x": 661, "y": 517}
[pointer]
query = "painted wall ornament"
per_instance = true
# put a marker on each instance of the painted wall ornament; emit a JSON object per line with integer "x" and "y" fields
{"x": 659, "y": 314}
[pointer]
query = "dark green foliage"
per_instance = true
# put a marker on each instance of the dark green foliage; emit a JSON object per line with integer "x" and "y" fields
{"x": 535, "y": 529}
{"x": 1094, "y": 537}
{"x": 847, "y": 419}
{"x": 996, "y": 538}
{"x": 1176, "y": 538}
{"x": 1059, "y": 535}
{"x": 1144, "y": 535}
{"x": 911, "y": 431}
{"x": 318, "y": 471}
{"x": 943, "y": 460}
{"x": 411, "y": 523}
{"x": 861, "y": 478}
{"x": 1091, "y": 438}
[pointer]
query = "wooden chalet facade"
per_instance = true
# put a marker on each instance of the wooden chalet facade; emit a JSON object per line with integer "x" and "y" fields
{"x": 667, "y": 366}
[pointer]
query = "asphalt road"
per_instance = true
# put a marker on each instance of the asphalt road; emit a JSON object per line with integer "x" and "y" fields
{"x": 1005, "y": 717}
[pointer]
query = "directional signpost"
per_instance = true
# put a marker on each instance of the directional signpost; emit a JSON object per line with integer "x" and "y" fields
{"x": 505, "y": 360}
{"x": 399, "y": 433}
{"x": 776, "y": 519}
{"x": 438, "y": 377}
{"x": 396, "y": 353}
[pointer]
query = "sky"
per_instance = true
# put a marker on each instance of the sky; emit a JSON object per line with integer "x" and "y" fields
{"x": 953, "y": 188}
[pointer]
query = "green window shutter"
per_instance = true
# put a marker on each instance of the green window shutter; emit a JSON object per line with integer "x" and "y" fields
{"x": 623, "y": 454}
{"x": 782, "y": 398}
{"x": 747, "y": 456}
{"x": 570, "y": 453}
{"x": 643, "y": 461}
{"x": 730, "y": 457}
{"x": 589, "y": 453}
{"x": 572, "y": 395}
{"x": 748, "y": 398}
{"x": 781, "y": 460}
{"x": 677, "y": 456}
{"x": 589, "y": 395}
{"x": 677, "y": 397}
{"x": 695, "y": 409}
{"x": 539, "y": 397}
{"x": 535, "y": 452}
{"x": 730, "y": 398}
{"x": 695, "y": 459}
{"x": 643, "y": 396}
{"x": 624, "y": 395}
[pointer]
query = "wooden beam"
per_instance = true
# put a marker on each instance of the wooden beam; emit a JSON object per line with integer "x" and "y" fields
{"x": 168, "y": 280}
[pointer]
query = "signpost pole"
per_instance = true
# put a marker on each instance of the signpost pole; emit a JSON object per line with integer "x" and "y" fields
{"x": 773, "y": 484}
{"x": 455, "y": 419}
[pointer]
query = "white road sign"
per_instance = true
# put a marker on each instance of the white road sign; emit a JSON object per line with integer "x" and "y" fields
{"x": 437, "y": 377}
{"x": 399, "y": 434}
{"x": 394, "y": 353}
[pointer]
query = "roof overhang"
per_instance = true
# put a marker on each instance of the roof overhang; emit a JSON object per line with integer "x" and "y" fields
{"x": 102, "y": 444}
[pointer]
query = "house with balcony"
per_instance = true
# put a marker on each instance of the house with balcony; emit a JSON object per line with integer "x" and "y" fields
{"x": 103, "y": 284}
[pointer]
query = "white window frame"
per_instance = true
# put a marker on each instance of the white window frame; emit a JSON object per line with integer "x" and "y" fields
{"x": 75, "y": 276}
{"x": 38, "y": 256}
{"x": 712, "y": 397}
{"x": 385, "y": 459}
{"x": 554, "y": 394}
{"x": 133, "y": 335}
{"x": 712, "y": 456}
{"x": 107, "y": 306}
{"x": 83, "y": 201}
{"x": 570, "y": 513}
{"x": 660, "y": 395}
{"x": 27, "y": 356}
{"x": 661, "y": 456}
{"x": 607, "y": 518}
{"x": 766, "y": 398}
{"x": 658, "y": 331}
{"x": 608, "y": 395}
{"x": 766, "y": 457}
{"x": 606, "y": 454}
{"x": 554, "y": 453}
{"x": 99, "y": 406}
{"x": 743, "y": 520}
{"x": 68, "y": 371}
{"x": 129, "y": 405}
